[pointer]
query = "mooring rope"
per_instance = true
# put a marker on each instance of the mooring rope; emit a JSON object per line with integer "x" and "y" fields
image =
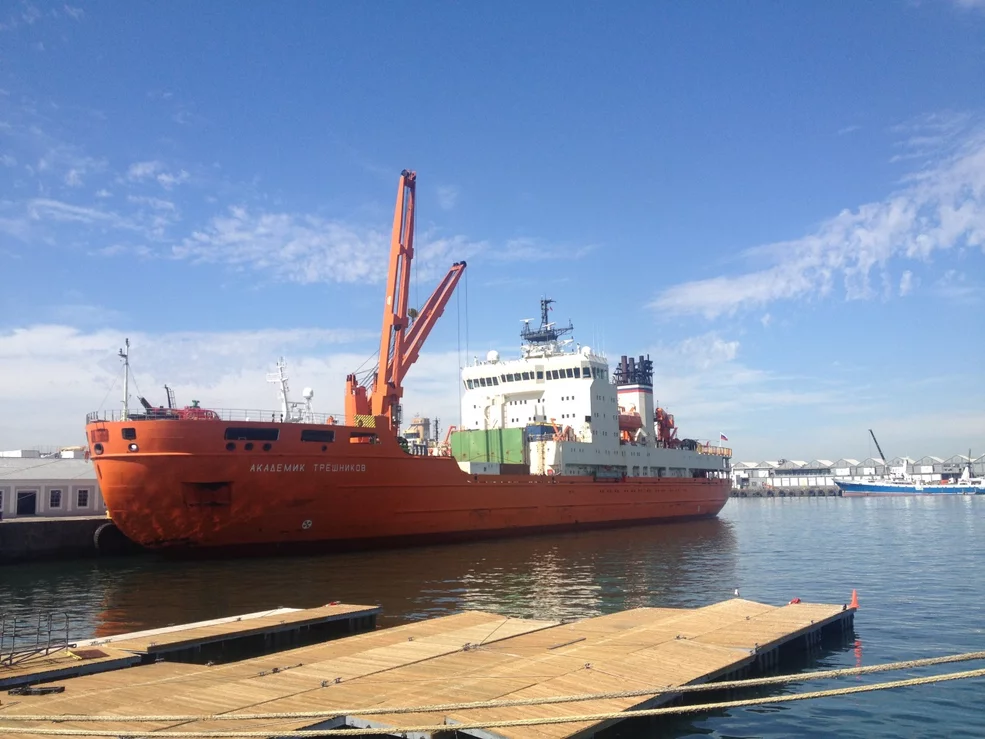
{"x": 465, "y": 726}
{"x": 580, "y": 698}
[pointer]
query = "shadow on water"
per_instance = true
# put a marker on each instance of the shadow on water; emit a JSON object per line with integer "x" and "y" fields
{"x": 560, "y": 576}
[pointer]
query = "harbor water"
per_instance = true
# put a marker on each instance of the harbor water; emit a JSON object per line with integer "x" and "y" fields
{"x": 917, "y": 563}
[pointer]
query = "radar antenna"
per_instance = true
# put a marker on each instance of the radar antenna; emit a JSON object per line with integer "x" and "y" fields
{"x": 548, "y": 332}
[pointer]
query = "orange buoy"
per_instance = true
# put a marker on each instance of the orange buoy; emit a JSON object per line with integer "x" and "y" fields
{"x": 854, "y": 603}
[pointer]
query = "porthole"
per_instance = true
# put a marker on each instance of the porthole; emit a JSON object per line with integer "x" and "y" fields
{"x": 98, "y": 448}
{"x": 266, "y": 447}
{"x": 133, "y": 448}
{"x": 248, "y": 446}
{"x": 230, "y": 447}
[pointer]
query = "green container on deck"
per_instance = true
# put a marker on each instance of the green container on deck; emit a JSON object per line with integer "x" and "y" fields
{"x": 495, "y": 446}
{"x": 511, "y": 446}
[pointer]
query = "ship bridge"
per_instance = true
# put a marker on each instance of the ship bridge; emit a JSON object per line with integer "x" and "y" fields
{"x": 563, "y": 394}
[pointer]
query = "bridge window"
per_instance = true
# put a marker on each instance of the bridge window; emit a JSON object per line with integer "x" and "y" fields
{"x": 585, "y": 372}
{"x": 129, "y": 433}
{"x": 235, "y": 433}
{"x": 540, "y": 374}
{"x": 318, "y": 435}
{"x": 468, "y": 384}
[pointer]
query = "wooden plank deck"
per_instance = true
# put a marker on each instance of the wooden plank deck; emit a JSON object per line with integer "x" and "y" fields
{"x": 126, "y": 650}
{"x": 185, "y": 637}
{"x": 471, "y": 656}
{"x": 61, "y": 664}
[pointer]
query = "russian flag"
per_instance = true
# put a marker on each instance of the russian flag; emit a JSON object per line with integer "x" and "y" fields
{"x": 724, "y": 437}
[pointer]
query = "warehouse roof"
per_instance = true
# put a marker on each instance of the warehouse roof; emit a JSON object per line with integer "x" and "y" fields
{"x": 51, "y": 468}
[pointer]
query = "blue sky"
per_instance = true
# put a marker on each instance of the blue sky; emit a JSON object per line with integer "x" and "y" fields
{"x": 783, "y": 203}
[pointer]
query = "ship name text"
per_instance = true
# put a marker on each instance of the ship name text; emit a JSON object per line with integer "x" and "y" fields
{"x": 276, "y": 468}
{"x": 300, "y": 468}
{"x": 340, "y": 468}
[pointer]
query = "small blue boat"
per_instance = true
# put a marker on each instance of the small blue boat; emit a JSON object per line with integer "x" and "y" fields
{"x": 963, "y": 486}
{"x": 904, "y": 484}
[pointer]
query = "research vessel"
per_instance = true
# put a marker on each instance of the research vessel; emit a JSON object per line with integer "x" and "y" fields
{"x": 549, "y": 440}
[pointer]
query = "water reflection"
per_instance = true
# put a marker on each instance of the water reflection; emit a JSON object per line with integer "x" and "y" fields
{"x": 560, "y": 576}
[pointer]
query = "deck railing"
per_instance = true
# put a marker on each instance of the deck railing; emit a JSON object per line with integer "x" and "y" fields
{"x": 212, "y": 414}
{"x": 719, "y": 451}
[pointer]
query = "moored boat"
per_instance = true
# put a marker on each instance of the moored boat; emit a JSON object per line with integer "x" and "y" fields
{"x": 902, "y": 483}
{"x": 549, "y": 441}
{"x": 965, "y": 485}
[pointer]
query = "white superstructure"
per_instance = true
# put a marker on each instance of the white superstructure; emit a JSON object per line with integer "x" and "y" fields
{"x": 579, "y": 420}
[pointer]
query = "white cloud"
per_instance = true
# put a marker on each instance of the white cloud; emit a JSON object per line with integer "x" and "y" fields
{"x": 954, "y": 287}
{"x": 447, "y": 196}
{"x": 940, "y": 207}
{"x": 45, "y": 209}
{"x": 115, "y": 250}
{"x": 153, "y": 169}
{"x": 103, "y": 193}
{"x": 74, "y": 13}
{"x": 976, "y": 4}
{"x": 155, "y": 203}
{"x": 142, "y": 170}
{"x": 168, "y": 180}
{"x": 766, "y": 320}
{"x": 41, "y": 218}
{"x": 52, "y": 375}
{"x": 309, "y": 249}
{"x": 67, "y": 160}
{"x": 30, "y": 14}
{"x": 7, "y": 160}
{"x": 528, "y": 249}
{"x": 906, "y": 283}
{"x": 927, "y": 136}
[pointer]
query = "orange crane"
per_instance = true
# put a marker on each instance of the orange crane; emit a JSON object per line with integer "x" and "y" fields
{"x": 400, "y": 343}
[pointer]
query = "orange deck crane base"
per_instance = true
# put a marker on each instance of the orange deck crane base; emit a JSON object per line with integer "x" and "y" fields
{"x": 400, "y": 343}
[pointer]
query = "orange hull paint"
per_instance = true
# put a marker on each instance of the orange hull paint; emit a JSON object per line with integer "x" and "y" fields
{"x": 184, "y": 490}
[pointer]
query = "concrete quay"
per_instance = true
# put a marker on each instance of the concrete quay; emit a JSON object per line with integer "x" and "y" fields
{"x": 819, "y": 491}
{"x": 61, "y": 537}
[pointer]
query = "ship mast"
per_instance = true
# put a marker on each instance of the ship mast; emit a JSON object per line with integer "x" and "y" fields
{"x": 545, "y": 340}
{"x": 125, "y": 356}
{"x": 280, "y": 378}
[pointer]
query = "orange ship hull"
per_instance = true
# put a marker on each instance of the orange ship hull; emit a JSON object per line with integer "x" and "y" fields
{"x": 181, "y": 485}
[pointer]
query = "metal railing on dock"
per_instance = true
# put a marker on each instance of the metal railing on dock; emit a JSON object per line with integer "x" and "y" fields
{"x": 22, "y": 638}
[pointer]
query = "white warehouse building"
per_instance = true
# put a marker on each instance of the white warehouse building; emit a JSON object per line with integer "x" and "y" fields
{"x": 36, "y": 485}
{"x": 786, "y": 474}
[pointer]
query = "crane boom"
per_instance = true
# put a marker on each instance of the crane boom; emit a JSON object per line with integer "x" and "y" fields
{"x": 428, "y": 317}
{"x": 400, "y": 343}
{"x": 881, "y": 455}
